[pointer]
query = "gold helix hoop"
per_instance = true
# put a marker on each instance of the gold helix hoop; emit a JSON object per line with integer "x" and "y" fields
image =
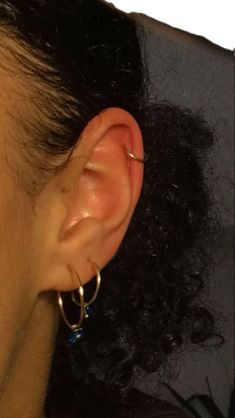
{"x": 133, "y": 157}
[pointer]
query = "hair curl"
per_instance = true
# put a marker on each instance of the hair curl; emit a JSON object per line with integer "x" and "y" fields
{"x": 82, "y": 57}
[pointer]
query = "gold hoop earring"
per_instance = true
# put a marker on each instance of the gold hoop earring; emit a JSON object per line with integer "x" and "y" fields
{"x": 87, "y": 308}
{"x": 133, "y": 157}
{"x": 77, "y": 331}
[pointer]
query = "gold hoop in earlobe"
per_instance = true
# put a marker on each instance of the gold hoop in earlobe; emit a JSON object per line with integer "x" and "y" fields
{"x": 86, "y": 306}
{"x": 81, "y": 294}
{"x": 77, "y": 331}
{"x": 85, "y": 309}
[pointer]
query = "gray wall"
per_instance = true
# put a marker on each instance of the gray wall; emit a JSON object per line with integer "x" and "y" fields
{"x": 191, "y": 71}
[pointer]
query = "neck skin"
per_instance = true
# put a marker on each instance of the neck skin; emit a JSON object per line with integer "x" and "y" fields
{"x": 24, "y": 386}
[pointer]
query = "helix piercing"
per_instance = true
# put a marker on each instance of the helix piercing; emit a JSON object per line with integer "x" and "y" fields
{"x": 133, "y": 157}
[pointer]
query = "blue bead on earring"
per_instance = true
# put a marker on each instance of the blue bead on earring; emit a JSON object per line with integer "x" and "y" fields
{"x": 75, "y": 335}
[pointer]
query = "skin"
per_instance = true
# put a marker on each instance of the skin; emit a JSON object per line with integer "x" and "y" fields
{"x": 82, "y": 213}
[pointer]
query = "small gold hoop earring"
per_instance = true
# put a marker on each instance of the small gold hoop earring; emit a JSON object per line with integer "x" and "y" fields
{"x": 133, "y": 157}
{"x": 77, "y": 331}
{"x": 87, "y": 308}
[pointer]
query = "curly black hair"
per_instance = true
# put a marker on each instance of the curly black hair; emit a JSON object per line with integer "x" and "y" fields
{"x": 80, "y": 57}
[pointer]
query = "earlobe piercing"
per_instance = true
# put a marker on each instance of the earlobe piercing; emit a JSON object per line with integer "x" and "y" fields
{"x": 77, "y": 332}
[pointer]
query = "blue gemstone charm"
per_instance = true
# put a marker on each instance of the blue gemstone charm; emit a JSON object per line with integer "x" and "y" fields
{"x": 75, "y": 335}
{"x": 88, "y": 310}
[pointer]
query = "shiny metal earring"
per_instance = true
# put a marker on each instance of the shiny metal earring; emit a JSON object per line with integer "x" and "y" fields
{"x": 77, "y": 331}
{"x": 133, "y": 157}
{"x": 86, "y": 305}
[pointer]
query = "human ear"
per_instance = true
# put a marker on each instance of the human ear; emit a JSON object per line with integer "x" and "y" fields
{"x": 85, "y": 211}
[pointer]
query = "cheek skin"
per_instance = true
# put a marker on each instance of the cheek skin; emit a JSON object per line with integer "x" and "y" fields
{"x": 15, "y": 232}
{"x": 15, "y": 246}
{"x": 17, "y": 278}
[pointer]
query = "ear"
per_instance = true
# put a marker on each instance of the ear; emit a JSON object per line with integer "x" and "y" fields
{"x": 86, "y": 209}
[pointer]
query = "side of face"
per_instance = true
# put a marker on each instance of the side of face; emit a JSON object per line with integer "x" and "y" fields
{"x": 83, "y": 212}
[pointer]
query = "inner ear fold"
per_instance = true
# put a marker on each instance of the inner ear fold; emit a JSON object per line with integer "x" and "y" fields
{"x": 103, "y": 188}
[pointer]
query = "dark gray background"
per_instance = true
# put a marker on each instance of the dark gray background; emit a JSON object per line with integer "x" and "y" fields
{"x": 189, "y": 70}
